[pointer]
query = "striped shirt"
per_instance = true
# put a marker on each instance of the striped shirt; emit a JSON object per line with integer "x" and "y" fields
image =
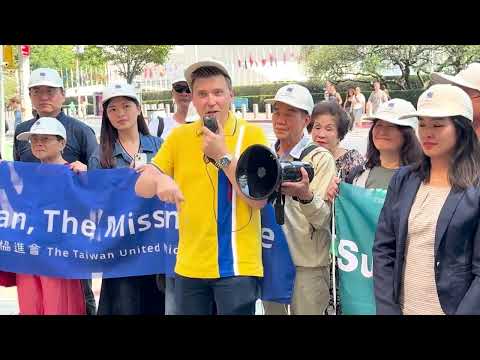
{"x": 219, "y": 233}
{"x": 419, "y": 291}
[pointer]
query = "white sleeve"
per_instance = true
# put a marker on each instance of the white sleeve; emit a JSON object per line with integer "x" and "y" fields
{"x": 153, "y": 126}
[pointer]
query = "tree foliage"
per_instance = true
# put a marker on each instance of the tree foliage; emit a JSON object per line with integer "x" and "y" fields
{"x": 132, "y": 59}
{"x": 370, "y": 62}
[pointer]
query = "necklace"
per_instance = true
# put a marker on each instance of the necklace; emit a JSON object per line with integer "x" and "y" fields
{"x": 125, "y": 150}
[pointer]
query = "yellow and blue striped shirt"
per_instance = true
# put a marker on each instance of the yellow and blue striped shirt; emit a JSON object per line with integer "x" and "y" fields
{"x": 219, "y": 233}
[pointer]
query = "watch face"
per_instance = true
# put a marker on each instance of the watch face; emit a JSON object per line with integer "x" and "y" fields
{"x": 223, "y": 162}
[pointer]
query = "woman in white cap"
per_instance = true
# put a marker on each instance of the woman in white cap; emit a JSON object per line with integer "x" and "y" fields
{"x": 469, "y": 81}
{"x": 44, "y": 295}
{"x": 392, "y": 143}
{"x": 126, "y": 142}
{"x": 427, "y": 245}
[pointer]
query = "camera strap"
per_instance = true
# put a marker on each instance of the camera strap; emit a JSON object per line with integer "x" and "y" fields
{"x": 307, "y": 150}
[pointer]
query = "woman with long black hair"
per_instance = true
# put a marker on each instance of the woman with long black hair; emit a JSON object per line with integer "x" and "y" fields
{"x": 426, "y": 255}
{"x": 124, "y": 134}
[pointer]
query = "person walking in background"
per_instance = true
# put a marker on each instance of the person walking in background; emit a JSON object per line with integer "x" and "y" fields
{"x": 16, "y": 106}
{"x": 358, "y": 107}
{"x": 377, "y": 97}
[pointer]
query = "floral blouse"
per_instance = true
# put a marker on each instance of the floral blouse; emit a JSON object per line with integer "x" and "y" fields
{"x": 348, "y": 161}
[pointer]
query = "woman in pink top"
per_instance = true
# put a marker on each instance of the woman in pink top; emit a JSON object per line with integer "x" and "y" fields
{"x": 44, "y": 295}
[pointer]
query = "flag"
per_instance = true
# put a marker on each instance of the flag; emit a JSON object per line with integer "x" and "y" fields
{"x": 239, "y": 63}
{"x": 250, "y": 60}
{"x": 264, "y": 60}
{"x": 356, "y": 217}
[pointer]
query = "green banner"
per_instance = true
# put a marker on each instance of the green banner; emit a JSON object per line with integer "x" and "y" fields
{"x": 356, "y": 217}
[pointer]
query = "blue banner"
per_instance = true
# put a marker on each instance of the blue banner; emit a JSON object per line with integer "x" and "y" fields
{"x": 57, "y": 223}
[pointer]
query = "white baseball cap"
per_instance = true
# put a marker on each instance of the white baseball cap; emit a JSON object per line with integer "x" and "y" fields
{"x": 392, "y": 111}
{"x": 204, "y": 63}
{"x": 117, "y": 89}
{"x": 443, "y": 100}
{"x": 469, "y": 77}
{"x": 44, "y": 126}
{"x": 294, "y": 95}
{"x": 45, "y": 77}
{"x": 179, "y": 79}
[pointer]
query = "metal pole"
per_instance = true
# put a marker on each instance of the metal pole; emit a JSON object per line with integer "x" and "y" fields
{"x": 24, "y": 77}
{"x": 78, "y": 85}
{"x": 2, "y": 107}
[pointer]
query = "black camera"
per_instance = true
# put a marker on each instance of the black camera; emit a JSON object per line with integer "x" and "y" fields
{"x": 291, "y": 170}
{"x": 210, "y": 122}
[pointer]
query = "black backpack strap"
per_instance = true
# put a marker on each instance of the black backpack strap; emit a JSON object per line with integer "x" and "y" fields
{"x": 307, "y": 151}
{"x": 161, "y": 126}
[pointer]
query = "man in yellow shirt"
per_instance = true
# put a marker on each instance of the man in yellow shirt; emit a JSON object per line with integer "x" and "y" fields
{"x": 219, "y": 255}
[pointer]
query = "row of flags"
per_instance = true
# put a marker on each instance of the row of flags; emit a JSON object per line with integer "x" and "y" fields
{"x": 99, "y": 76}
{"x": 266, "y": 60}
{"x": 85, "y": 77}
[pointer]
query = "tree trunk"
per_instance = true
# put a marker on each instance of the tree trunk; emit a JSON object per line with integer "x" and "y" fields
{"x": 407, "y": 77}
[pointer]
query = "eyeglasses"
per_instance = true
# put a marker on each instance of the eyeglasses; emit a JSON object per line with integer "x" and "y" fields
{"x": 42, "y": 139}
{"x": 50, "y": 91}
{"x": 181, "y": 89}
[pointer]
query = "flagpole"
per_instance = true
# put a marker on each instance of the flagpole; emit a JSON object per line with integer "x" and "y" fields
{"x": 2, "y": 106}
{"x": 334, "y": 278}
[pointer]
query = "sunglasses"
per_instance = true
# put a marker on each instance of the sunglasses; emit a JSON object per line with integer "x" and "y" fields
{"x": 181, "y": 89}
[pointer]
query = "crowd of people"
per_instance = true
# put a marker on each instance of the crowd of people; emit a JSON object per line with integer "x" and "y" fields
{"x": 426, "y": 247}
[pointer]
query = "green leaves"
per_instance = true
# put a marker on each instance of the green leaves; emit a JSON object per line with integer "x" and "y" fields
{"x": 132, "y": 59}
{"x": 342, "y": 62}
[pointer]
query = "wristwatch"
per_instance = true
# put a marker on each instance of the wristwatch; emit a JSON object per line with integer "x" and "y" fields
{"x": 306, "y": 201}
{"x": 224, "y": 161}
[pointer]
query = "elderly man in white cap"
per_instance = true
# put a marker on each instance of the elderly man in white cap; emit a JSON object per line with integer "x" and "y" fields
{"x": 47, "y": 96}
{"x": 469, "y": 81}
{"x": 182, "y": 96}
{"x": 307, "y": 214}
{"x": 219, "y": 256}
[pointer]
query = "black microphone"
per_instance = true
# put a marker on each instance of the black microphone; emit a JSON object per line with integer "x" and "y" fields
{"x": 210, "y": 122}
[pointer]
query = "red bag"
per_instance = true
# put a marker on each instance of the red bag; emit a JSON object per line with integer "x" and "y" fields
{"x": 8, "y": 279}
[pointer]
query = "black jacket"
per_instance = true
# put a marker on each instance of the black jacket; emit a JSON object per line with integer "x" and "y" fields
{"x": 81, "y": 140}
{"x": 456, "y": 251}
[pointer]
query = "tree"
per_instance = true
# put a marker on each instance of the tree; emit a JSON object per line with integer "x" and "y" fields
{"x": 64, "y": 57}
{"x": 407, "y": 59}
{"x": 456, "y": 57}
{"x": 132, "y": 59}
{"x": 367, "y": 62}
{"x": 52, "y": 56}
